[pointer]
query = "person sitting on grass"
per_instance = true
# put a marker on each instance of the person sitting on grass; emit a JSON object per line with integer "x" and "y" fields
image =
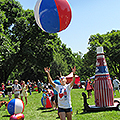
{"x": 64, "y": 99}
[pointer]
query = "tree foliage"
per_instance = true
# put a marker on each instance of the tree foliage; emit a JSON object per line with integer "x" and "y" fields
{"x": 24, "y": 46}
{"x": 25, "y": 49}
{"x": 111, "y": 44}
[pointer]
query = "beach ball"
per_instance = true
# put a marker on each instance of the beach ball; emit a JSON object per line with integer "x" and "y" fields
{"x": 15, "y": 106}
{"x": 52, "y": 15}
{"x": 42, "y": 101}
{"x": 18, "y": 116}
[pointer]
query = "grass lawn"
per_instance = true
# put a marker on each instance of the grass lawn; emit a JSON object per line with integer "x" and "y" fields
{"x": 34, "y": 111}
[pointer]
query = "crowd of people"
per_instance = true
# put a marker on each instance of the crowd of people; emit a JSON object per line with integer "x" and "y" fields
{"x": 20, "y": 89}
{"x": 59, "y": 92}
{"x": 89, "y": 86}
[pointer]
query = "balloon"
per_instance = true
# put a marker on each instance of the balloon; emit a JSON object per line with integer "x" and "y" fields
{"x": 52, "y": 15}
{"x": 19, "y": 116}
{"x": 15, "y": 106}
{"x": 42, "y": 101}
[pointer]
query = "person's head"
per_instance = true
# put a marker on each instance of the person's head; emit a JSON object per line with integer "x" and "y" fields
{"x": 44, "y": 91}
{"x": 16, "y": 82}
{"x": 88, "y": 79}
{"x": 23, "y": 82}
{"x": 57, "y": 78}
{"x": 63, "y": 80}
{"x": 115, "y": 77}
{"x": 28, "y": 81}
{"x": 46, "y": 88}
{"x": 2, "y": 83}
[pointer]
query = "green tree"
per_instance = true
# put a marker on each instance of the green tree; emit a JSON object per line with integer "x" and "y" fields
{"x": 24, "y": 47}
{"x": 59, "y": 66}
{"x": 111, "y": 44}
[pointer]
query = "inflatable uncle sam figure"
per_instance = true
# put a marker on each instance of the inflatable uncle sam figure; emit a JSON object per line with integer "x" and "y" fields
{"x": 103, "y": 85}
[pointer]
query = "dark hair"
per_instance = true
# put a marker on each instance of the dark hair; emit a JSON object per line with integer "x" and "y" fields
{"x": 57, "y": 78}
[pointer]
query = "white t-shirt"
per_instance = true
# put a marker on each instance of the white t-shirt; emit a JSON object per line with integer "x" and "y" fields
{"x": 16, "y": 87}
{"x": 116, "y": 83}
{"x": 64, "y": 98}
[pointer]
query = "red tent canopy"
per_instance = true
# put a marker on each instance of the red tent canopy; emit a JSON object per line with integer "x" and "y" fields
{"x": 70, "y": 76}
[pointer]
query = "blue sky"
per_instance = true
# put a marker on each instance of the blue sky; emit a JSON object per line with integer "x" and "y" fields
{"x": 89, "y": 17}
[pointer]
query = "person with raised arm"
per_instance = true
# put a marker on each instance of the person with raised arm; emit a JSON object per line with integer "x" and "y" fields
{"x": 64, "y": 98}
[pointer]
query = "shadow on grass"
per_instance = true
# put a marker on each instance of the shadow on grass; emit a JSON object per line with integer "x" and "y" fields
{"x": 41, "y": 108}
{"x": 6, "y": 115}
{"x": 46, "y": 110}
{"x": 84, "y": 113}
{"x": 80, "y": 113}
{"x": 90, "y": 112}
{"x": 57, "y": 117}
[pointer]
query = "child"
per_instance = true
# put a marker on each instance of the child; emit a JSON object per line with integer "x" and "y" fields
{"x": 3, "y": 89}
{"x": 116, "y": 83}
{"x": 89, "y": 88}
{"x": 29, "y": 86}
{"x": 51, "y": 93}
{"x": 64, "y": 99}
{"x": 44, "y": 98}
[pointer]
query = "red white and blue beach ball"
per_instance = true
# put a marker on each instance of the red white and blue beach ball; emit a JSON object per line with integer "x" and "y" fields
{"x": 15, "y": 106}
{"x": 52, "y": 15}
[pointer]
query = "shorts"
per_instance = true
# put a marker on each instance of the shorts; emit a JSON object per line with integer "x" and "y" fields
{"x": 89, "y": 90}
{"x": 53, "y": 98}
{"x": 24, "y": 94}
{"x": 64, "y": 110}
{"x": 116, "y": 88}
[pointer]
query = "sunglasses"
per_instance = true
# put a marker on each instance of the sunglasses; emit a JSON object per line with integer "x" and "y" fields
{"x": 62, "y": 78}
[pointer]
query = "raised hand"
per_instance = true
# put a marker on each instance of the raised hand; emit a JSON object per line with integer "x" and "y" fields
{"x": 74, "y": 70}
{"x": 47, "y": 70}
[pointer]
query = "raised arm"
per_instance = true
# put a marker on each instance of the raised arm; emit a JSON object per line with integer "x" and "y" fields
{"x": 73, "y": 80}
{"x": 47, "y": 70}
